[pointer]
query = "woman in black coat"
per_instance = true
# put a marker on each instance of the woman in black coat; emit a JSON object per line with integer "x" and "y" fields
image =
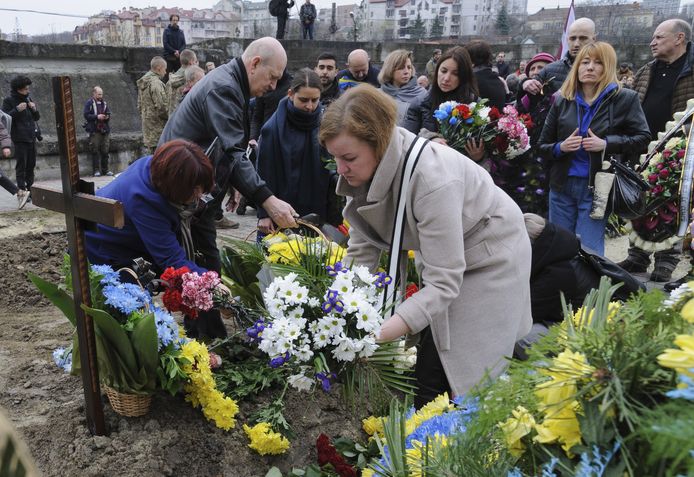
{"x": 454, "y": 81}
{"x": 289, "y": 156}
{"x": 591, "y": 120}
{"x": 490, "y": 85}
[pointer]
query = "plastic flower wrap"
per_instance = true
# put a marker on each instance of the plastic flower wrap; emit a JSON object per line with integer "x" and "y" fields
{"x": 458, "y": 122}
{"x": 512, "y": 138}
{"x": 339, "y": 320}
{"x": 663, "y": 175}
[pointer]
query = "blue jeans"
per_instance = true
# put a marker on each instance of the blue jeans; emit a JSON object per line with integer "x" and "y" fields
{"x": 308, "y": 31}
{"x": 570, "y": 208}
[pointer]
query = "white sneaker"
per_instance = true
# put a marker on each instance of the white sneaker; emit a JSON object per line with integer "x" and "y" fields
{"x": 22, "y": 198}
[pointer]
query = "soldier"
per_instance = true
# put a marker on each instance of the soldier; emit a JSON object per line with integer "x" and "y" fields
{"x": 177, "y": 80}
{"x": 152, "y": 102}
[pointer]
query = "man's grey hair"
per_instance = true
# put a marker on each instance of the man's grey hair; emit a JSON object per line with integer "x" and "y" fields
{"x": 192, "y": 73}
{"x": 156, "y": 62}
{"x": 188, "y": 57}
{"x": 681, "y": 26}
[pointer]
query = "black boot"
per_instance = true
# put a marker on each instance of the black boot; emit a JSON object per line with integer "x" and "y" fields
{"x": 637, "y": 261}
{"x": 241, "y": 209}
{"x": 665, "y": 263}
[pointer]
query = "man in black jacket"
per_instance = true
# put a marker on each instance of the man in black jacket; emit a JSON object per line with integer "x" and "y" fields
{"x": 307, "y": 15}
{"x": 217, "y": 109}
{"x": 581, "y": 32}
{"x": 326, "y": 69}
{"x": 488, "y": 82}
{"x": 24, "y": 114}
{"x": 359, "y": 70}
{"x": 174, "y": 43}
{"x": 282, "y": 14}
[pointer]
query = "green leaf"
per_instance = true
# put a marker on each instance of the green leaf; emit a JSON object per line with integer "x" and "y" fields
{"x": 145, "y": 343}
{"x": 274, "y": 472}
{"x": 115, "y": 338}
{"x": 58, "y": 297}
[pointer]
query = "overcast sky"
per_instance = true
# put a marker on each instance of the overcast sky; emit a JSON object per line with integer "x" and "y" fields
{"x": 37, "y": 24}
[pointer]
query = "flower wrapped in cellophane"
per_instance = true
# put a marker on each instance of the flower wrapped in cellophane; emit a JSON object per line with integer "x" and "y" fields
{"x": 459, "y": 122}
{"x": 512, "y": 138}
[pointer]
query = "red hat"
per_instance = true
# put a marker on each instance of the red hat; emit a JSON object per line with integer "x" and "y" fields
{"x": 546, "y": 57}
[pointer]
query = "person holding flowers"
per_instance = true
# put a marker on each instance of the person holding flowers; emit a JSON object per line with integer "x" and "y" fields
{"x": 592, "y": 119}
{"x": 470, "y": 237}
{"x": 454, "y": 81}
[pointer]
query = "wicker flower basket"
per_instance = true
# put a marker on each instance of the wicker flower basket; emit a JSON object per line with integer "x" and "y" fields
{"x": 129, "y": 405}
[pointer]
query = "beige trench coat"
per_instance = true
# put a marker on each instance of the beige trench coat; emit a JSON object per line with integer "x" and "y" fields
{"x": 474, "y": 250}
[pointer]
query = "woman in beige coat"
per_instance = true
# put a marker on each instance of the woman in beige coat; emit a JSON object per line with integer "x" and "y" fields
{"x": 470, "y": 238}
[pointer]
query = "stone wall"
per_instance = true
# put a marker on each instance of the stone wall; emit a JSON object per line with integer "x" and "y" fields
{"x": 116, "y": 70}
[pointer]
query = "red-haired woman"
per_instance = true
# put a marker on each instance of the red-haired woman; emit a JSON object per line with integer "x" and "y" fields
{"x": 159, "y": 193}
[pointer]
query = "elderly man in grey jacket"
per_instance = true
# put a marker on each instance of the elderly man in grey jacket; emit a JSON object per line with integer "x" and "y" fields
{"x": 216, "y": 111}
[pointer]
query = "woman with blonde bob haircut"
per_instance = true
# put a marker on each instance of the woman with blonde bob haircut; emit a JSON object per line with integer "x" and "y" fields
{"x": 399, "y": 80}
{"x": 592, "y": 120}
{"x": 469, "y": 236}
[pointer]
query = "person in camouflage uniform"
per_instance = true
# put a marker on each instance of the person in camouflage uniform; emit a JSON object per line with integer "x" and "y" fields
{"x": 177, "y": 80}
{"x": 153, "y": 103}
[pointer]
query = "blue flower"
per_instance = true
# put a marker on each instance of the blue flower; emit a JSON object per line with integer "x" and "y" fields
{"x": 126, "y": 297}
{"x": 594, "y": 465}
{"x": 382, "y": 280}
{"x": 108, "y": 275}
{"x": 441, "y": 115}
{"x": 548, "y": 467}
{"x": 167, "y": 328}
{"x": 686, "y": 392}
{"x": 515, "y": 472}
{"x": 278, "y": 361}
{"x": 63, "y": 358}
{"x": 453, "y": 121}
{"x": 325, "y": 380}
{"x": 255, "y": 331}
{"x": 333, "y": 270}
{"x": 469, "y": 120}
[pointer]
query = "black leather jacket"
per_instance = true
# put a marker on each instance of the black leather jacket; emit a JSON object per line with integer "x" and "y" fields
{"x": 420, "y": 115}
{"x": 218, "y": 107}
{"x": 619, "y": 120}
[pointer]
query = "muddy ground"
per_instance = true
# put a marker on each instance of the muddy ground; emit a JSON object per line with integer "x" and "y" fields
{"x": 47, "y": 406}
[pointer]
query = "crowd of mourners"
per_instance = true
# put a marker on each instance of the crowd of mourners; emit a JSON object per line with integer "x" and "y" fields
{"x": 260, "y": 136}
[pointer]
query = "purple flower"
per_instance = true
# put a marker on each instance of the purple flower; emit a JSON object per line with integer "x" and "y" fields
{"x": 333, "y": 270}
{"x": 256, "y": 330}
{"x": 382, "y": 280}
{"x": 520, "y": 189}
{"x": 325, "y": 380}
{"x": 540, "y": 191}
{"x": 279, "y": 360}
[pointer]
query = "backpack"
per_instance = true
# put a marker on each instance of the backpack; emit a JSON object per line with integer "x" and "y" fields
{"x": 275, "y": 6}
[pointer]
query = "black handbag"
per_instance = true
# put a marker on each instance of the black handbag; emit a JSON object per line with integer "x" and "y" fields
{"x": 607, "y": 268}
{"x": 628, "y": 194}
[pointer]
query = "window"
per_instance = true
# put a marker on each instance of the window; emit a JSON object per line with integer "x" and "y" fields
{"x": 390, "y": 13}
{"x": 443, "y": 10}
{"x": 403, "y": 13}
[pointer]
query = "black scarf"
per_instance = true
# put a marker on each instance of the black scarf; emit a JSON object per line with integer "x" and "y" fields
{"x": 289, "y": 159}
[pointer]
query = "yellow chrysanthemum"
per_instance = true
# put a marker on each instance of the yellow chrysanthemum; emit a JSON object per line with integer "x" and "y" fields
{"x": 373, "y": 425}
{"x": 266, "y": 441}
{"x": 367, "y": 473}
{"x": 580, "y": 320}
{"x": 434, "y": 408}
{"x": 688, "y": 310}
{"x": 517, "y": 427}
{"x": 201, "y": 390}
{"x": 569, "y": 365}
{"x": 681, "y": 360}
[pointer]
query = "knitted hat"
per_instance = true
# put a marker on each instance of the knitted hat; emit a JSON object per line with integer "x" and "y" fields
{"x": 546, "y": 57}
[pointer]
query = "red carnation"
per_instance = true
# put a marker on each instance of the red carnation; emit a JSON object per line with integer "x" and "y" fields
{"x": 680, "y": 154}
{"x": 494, "y": 114}
{"x": 659, "y": 166}
{"x": 652, "y": 178}
{"x": 657, "y": 189}
{"x": 464, "y": 111}
{"x": 501, "y": 143}
{"x": 651, "y": 222}
{"x": 664, "y": 173}
{"x": 667, "y": 153}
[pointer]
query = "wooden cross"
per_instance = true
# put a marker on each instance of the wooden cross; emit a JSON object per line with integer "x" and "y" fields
{"x": 82, "y": 210}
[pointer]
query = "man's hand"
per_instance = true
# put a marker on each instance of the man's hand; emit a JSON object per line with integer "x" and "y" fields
{"x": 233, "y": 201}
{"x": 265, "y": 226}
{"x": 475, "y": 150}
{"x": 6, "y": 152}
{"x": 280, "y": 212}
{"x": 21, "y": 106}
{"x": 571, "y": 143}
{"x": 393, "y": 328}
{"x": 532, "y": 86}
{"x": 177, "y": 53}
{"x": 593, "y": 143}
{"x": 100, "y": 117}
{"x": 253, "y": 143}
{"x": 32, "y": 105}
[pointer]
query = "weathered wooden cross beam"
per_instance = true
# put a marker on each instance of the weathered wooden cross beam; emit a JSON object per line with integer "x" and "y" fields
{"x": 82, "y": 210}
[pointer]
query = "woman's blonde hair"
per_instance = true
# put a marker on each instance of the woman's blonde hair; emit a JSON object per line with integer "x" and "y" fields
{"x": 395, "y": 61}
{"x": 598, "y": 50}
{"x": 363, "y": 112}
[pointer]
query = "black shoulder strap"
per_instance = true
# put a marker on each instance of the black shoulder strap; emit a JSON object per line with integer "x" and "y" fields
{"x": 391, "y": 290}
